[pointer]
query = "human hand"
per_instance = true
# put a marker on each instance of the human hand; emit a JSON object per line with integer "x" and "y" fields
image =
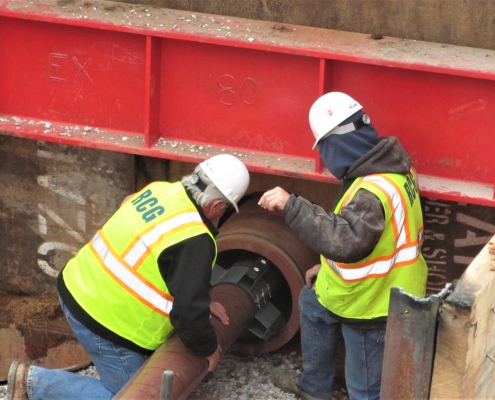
{"x": 274, "y": 199}
{"x": 214, "y": 359}
{"x": 311, "y": 275}
{"x": 219, "y": 311}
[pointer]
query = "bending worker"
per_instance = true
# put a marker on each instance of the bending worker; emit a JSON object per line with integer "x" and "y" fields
{"x": 144, "y": 275}
{"x": 368, "y": 244}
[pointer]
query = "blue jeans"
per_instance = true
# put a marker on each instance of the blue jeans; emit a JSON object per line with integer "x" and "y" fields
{"x": 364, "y": 353}
{"x": 115, "y": 365}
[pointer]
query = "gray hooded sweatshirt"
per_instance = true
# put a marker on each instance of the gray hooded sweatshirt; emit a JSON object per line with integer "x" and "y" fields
{"x": 352, "y": 234}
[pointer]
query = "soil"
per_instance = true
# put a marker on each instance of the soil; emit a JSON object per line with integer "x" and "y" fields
{"x": 32, "y": 310}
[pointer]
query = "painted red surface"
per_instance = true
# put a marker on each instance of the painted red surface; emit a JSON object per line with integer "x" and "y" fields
{"x": 185, "y": 87}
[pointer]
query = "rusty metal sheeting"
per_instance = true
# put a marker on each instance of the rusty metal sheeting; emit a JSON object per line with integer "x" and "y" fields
{"x": 189, "y": 368}
{"x": 409, "y": 345}
{"x": 54, "y": 197}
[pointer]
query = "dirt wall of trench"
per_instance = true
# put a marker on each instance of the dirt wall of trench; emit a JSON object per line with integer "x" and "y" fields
{"x": 459, "y": 22}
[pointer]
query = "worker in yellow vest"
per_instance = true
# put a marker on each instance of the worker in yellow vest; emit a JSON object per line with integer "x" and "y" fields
{"x": 369, "y": 243}
{"x": 144, "y": 274}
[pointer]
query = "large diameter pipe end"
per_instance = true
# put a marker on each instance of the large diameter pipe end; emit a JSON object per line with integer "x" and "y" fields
{"x": 253, "y": 233}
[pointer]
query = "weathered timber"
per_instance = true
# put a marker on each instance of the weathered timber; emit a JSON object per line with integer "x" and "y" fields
{"x": 464, "y": 363}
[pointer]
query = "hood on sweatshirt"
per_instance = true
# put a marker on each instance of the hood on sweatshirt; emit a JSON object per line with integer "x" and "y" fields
{"x": 361, "y": 152}
{"x": 388, "y": 156}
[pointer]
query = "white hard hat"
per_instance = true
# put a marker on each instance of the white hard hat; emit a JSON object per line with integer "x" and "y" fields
{"x": 328, "y": 112}
{"x": 229, "y": 175}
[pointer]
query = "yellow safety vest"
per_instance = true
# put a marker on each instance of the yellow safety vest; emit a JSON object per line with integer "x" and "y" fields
{"x": 361, "y": 290}
{"x": 115, "y": 277}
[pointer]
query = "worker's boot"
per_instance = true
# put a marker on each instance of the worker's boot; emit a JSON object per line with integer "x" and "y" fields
{"x": 17, "y": 381}
{"x": 285, "y": 379}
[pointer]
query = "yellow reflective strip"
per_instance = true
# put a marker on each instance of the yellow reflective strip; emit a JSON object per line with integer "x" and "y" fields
{"x": 406, "y": 251}
{"x": 156, "y": 243}
{"x": 391, "y": 200}
{"x": 405, "y": 255}
{"x": 133, "y": 271}
{"x": 395, "y": 197}
{"x": 350, "y": 192}
{"x": 153, "y": 225}
{"x": 127, "y": 279}
{"x": 404, "y": 207}
{"x": 145, "y": 242}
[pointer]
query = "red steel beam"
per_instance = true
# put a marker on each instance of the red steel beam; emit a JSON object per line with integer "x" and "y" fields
{"x": 182, "y": 86}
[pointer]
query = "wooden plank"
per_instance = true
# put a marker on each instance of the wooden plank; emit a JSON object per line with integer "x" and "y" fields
{"x": 480, "y": 358}
{"x": 465, "y": 357}
{"x": 449, "y": 363}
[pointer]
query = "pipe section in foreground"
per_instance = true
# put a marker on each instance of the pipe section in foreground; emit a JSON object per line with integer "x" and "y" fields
{"x": 188, "y": 367}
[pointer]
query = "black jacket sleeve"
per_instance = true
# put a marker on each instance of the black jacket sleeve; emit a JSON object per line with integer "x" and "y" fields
{"x": 186, "y": 269}
{"x": 346, "y": 237}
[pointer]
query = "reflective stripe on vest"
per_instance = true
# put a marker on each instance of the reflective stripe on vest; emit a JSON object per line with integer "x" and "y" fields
{"x": 139, "y": 249}
{"x": 124, "y": 269}
{"x": 406, "y": 250}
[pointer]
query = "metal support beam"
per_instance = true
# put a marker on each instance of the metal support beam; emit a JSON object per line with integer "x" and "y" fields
{"x": 129, "y": 81}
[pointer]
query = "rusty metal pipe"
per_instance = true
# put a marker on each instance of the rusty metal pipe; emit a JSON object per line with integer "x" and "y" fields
{"x": 189, "y": 368}
{"x": 410, "y": 345}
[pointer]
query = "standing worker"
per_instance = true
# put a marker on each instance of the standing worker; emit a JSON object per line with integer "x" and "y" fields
{"x": 368, "y": 244}
{"x": 144, "y": 275}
